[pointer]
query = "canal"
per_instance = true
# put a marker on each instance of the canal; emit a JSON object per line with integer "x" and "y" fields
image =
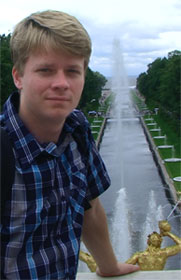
{"x": 137, "y": 198}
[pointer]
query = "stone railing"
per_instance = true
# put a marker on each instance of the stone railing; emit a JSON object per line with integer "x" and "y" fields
{"x": 140, "y": 275}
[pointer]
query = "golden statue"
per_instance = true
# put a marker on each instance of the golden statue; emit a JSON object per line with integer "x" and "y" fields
{"x": 154, "y": 257}
{"x": 89, "y": 260}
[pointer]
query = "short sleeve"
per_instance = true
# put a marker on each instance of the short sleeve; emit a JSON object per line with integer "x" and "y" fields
{"x": 97, "y": 176}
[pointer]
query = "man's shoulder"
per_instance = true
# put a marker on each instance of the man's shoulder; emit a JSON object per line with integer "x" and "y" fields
{"x": 78, "y": 119}
{"x": 78, "y": 116}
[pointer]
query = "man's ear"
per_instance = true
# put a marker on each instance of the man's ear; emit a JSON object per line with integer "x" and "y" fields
{"x": 17, "y": 78}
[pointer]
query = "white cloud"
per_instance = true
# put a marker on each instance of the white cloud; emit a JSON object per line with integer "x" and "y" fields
{"x": 146, "y": 29}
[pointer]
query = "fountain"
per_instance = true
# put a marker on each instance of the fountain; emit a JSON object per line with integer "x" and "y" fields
{"x": 120, "y": 223}
{"x": 150, "y": 124}
{"x": 95, "y": 126}
{"x": 152, "y": 218}
{"x": 160, "y": 137}
{"x": 149, "y": 119}
{"x": 97, "y": 121}
{"x": 165, "y": 147}
{"x": 177, "y": 179}
{"x": 155, "y": 256}
{"x": 128, "y": 181}
{"x": 173, "y": 158}
{"x": 178, "y": 202}
{"x": 135, "y": 201}
{"x": 155, "y": 129}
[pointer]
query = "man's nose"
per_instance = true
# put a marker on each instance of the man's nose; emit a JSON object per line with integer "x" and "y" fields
{"x": 60, "y": 80}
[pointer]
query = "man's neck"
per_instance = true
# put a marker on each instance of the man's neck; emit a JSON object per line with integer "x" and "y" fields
{"x": 44, "y": 131}
{"x": 47, "y": 134}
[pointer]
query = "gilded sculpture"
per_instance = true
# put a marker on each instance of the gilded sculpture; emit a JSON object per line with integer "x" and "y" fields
{"x": 154, "y": 257}
{"x": 89, "y": 260}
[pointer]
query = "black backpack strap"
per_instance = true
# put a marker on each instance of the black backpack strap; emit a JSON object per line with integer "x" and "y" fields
{"x": 80, "y": 138}
{"x": 7, "y": 172}
{"x": 7, "y": 167}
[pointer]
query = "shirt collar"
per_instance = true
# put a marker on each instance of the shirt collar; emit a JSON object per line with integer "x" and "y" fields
{"x": 26, "y": 146}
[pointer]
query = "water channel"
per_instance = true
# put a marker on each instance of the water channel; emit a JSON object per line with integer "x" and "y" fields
{"x": 137, "y": 198}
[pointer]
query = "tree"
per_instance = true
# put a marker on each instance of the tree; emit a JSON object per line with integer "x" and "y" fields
{"x": 94, "y": 83}
{"x": 161, "y": 86}
{"x": 174, "y": 53}
{"x": 142, "y": 83}
{"x": 154, "y": 72}
{"x": 171, "y": 84}
{"x": 6, "y": 80}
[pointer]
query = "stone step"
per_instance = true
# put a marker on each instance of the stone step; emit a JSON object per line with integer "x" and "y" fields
{"x": 140, "y": 275}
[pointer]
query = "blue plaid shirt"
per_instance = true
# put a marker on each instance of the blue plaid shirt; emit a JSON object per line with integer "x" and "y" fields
{"x": 42, "y": 223}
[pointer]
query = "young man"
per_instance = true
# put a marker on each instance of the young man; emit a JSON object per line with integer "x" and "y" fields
{"x": 59, "y": 173}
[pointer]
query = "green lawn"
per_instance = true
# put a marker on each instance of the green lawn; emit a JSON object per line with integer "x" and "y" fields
{"x": 171, "y": 139}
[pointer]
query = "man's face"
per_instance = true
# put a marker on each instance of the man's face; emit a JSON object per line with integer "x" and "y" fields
{"x": 50, "y": 86}
{"x": 155, "y": 240}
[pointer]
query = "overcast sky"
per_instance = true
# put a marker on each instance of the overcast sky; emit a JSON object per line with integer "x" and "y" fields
{"x": 147, "y": 29}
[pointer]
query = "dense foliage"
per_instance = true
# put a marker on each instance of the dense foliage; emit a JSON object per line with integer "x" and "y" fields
{"x": 94, "y": 81}
{"x": 160, "y": 86}
{"x": 6, "y": 80}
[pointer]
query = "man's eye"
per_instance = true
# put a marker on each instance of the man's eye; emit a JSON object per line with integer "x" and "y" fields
{"x": 74, "y": 71}
{"x": 45, "y": 70}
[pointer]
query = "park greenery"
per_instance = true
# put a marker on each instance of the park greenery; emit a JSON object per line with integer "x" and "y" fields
{"x": 159, "y": 90}
{"x": 94, "y": 82}
{"x": 160, "y": 86}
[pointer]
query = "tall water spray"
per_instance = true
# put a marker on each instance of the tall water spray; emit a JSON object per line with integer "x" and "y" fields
{"x": 154, "y": 215}
{"x": 120, "y": 225}
{"x": 121, "y": 91}
{"x": 119, "y": 82}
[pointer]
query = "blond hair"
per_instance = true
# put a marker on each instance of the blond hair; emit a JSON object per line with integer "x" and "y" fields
{"x": 49, "y": 29}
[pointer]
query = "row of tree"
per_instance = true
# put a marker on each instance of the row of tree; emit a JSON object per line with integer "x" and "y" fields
{"x": 94, "y": 81}
{"x": 161, "y": 84}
